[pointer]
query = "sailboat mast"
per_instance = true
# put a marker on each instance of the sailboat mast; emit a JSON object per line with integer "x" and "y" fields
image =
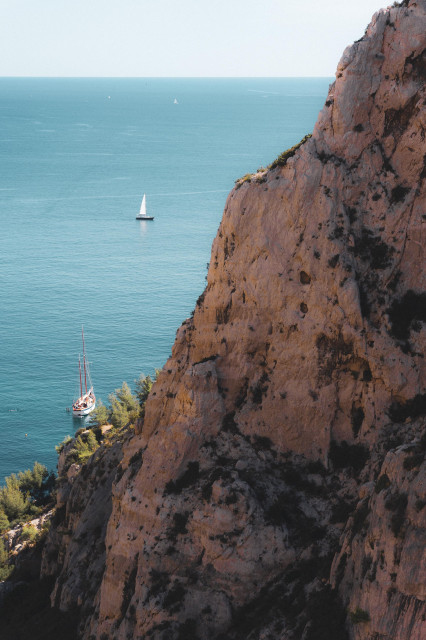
{"x": 84, "y": 360}
{"x": 79, "y": 368}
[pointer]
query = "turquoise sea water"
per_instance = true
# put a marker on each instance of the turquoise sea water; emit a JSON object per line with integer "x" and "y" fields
{"x": 76, "y": 156}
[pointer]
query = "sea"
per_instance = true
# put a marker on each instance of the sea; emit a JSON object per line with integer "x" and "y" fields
{"x": 76, "y": 157}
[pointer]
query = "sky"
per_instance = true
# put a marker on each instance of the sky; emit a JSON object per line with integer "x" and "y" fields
{"x": 178, "y": 38}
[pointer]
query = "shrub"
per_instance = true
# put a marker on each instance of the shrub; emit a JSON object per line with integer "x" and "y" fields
{"x": 326, "y": 615}
{"x": 4, "y": 522}
{"x": 187, "y": 630}
{"x": 28, "y": 480}
{"x": 419, "y": 504}
{"x": 179, "y": 525}
{"x": 246, "y": 178}
{"x": 262, "y": 443}
{"x": 341, "y": 511}
{"x": 281, "y": 509}
{"x": 304, "y": 277}
{"x": 411, "y": 462}
{"x": 129, "y": 588}
{"x": 359, "y": 615}
{"x": 29, "y": 533}
{"x": 382, "y": 483}
{"x": 84, "y": 446}
{"x": 5, "y": 568}
{"x": 282, "y": 159}
{"x": 159, "y": 582}
{"x": 100, "y": 415}
{"x": 334, "y": 260}
{"x": 260, "y": 388}
{"x": 413, "y": 408}
{"x": 135, "y": 462}
{"x": 316, "y": 466}
{"x": 397, "y": 503}
{"x": 188, "y": 478}
{"x": 403, "y": 313}
{"x": 13, "y": 502}
{"x": 345, "y": 455}
{"x": 174, "y": 597}
{"x": 37, "y": 483}
{"x": 124, "y": 407}
{"x": 24, "y": 490}
{"x": 371, "y": 248}
{"x": 59, "y": 447}
{"x": 143, "y": 388}
{"x": 229, "y": 424}
{"x": 398, "y": 193}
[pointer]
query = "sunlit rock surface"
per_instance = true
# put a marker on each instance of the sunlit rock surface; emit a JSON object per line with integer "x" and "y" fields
{"x": 247, "y": 504}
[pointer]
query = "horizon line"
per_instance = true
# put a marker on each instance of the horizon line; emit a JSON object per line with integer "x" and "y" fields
{"x": 7, "y": 77}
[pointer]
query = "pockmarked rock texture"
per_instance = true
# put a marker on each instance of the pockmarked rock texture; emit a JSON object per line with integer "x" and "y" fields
{"x": 251, "y": 502}
{"x": 312, "y": 259}
{"x": 383, "y": 550}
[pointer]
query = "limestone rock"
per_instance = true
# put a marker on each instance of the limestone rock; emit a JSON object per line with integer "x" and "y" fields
{"x": 283, "y": 398}
{"x": 381, "y": 568}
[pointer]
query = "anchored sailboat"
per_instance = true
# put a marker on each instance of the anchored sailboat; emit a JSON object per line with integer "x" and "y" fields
{"x": 142, "y": 213}
{"x": 87, "y": 400}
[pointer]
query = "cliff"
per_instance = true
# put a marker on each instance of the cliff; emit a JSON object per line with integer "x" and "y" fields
{"x": 276, "y": 487}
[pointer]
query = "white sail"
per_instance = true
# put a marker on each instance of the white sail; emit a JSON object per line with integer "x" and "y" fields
{"x": 142, "y": 212}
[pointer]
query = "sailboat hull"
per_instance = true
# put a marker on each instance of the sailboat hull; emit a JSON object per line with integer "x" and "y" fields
{"x": 83, "y": 411}
{"x": 144, "y": 217}
{"x": 84, "y": 405}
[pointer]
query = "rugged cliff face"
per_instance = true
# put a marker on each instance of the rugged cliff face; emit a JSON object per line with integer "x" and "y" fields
{"x": 278, "y": 483}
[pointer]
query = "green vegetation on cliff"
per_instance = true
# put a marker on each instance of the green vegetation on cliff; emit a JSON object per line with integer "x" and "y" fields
{"x": 124, "y": 407}
{"x": 24, "y": 495}
{"x": 124, "y": 411}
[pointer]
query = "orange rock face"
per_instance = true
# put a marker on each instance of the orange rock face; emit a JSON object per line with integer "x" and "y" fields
{"x": 310, "y": 332}
{"x": 309, "y": 259}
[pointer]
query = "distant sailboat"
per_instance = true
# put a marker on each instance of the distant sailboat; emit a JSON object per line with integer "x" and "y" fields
{"x": 142, "y": 213}
{"x": 87, "y": 400}
{"x": 175, "y": 101}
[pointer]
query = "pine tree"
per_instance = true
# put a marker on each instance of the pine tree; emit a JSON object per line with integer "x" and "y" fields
{"x": 12, "y": 501}
{"x": 100, "y": 415}
{"x": 143, "y": 387}
{"x": 4, "y": 522}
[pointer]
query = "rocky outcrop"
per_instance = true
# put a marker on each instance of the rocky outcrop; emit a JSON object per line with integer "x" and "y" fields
{"x": 74, "y": 552}
{"x": 311, "y": 259}
{"x": 381, "y": 568}
{"x": 283, "y": 399}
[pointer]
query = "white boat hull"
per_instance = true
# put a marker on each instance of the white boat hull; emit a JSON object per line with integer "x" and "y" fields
{"x": 79, "y": 413}
{"x": 84, "y": 405}
{"x": 144, "y": 217}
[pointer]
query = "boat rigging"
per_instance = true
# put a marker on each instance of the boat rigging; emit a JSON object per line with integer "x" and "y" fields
{"x": 87, "y": 400}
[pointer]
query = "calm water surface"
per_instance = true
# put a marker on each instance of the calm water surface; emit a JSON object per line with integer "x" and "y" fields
{"x": 76, "y": 156}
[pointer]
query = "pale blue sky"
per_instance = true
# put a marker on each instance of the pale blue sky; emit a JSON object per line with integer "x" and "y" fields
{"x": 178, "y": 37}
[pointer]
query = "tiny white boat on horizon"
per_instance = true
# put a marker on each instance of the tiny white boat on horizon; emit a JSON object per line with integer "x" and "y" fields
{"x": 87, "y": 400}
{"x": 142, "y": 215}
